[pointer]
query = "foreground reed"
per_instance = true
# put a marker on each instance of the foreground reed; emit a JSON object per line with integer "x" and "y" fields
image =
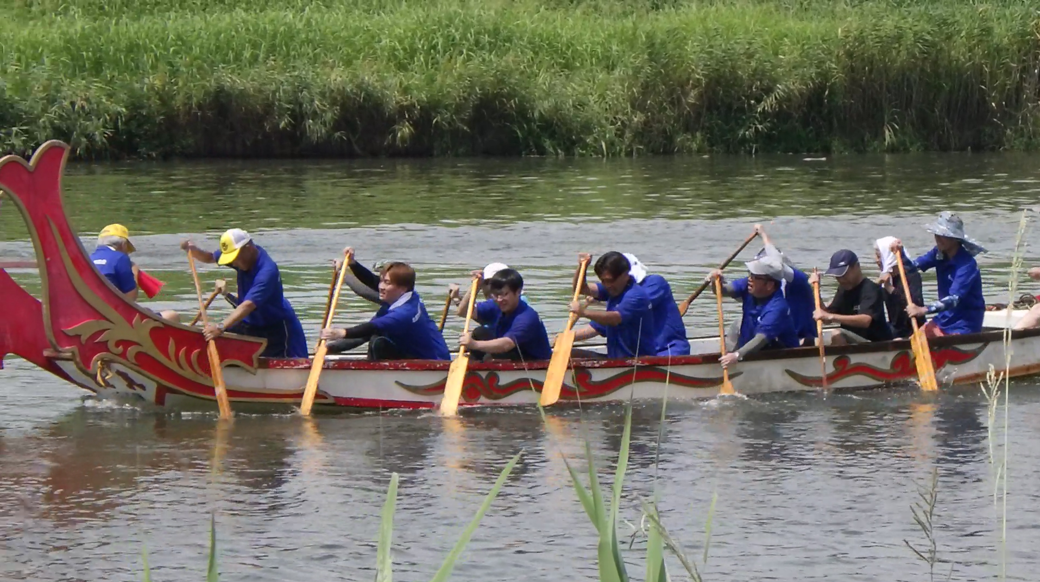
{"x": 533, "y": 77}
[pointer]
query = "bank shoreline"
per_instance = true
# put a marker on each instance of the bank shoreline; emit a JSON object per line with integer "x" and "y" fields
{"x": 181, "y": 78}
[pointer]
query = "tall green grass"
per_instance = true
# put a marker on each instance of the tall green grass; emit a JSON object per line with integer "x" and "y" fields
{"x": 543, "y": 77}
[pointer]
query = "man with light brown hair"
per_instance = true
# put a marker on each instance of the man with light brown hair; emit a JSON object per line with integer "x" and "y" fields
{"x": 401, "y": 329}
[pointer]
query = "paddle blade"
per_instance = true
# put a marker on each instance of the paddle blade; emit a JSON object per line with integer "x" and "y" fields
{"x": 311, "y": 389}
{"x": 684, "y": 307}
{"x": 923, "y": 360}
{"x": 557, "y": 368}
{"x": 218, "y": 380}
{"x": 727, "y": 386}
{"x": 453, "y": 386}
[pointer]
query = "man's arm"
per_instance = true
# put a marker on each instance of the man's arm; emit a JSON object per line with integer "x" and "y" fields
{"x": 364, "y": 276}
{"x": 495, "y": 346}
{"x": 585, "y": 333}
{"x": 197, "y": 253}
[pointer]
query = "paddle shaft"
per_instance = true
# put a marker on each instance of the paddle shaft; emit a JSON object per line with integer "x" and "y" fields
{"x": 311, "y": 389}
{"x": 906, "y": 285}
{"x": 819, "y": 328}
{"x": 211, "y": 351}
{"x": 685, "y": 305}
{"x": 727, "y": 386}
{"x": 444, "y": 314}
{"x": 457, "y": 370}
{"x": 209, "y": 300}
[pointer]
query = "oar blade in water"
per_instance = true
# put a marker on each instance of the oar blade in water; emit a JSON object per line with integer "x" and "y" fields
{"x": 453, "y": 386}
{"x": 557, "y": 368}
{"x": 727, "y": 386}
{"x": 923, "y": 360}
{"x": 310, "y": 390}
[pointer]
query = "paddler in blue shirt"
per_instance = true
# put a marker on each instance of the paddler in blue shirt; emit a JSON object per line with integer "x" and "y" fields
{"x": 401, "y": 329}
{"x": 801, "y": 299}
{"x": 112, "y": 259}
{"x": 670, "y": 331}
{"x": 515, "y": 331}
{"x": 766, "y": 323}
{"x": 961, "y": 306}
{"x": 628, "y": 321}
{"x": 262, "y": 310}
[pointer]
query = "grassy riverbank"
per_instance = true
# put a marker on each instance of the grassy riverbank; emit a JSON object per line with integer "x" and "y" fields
{"x": 454, "y": 77}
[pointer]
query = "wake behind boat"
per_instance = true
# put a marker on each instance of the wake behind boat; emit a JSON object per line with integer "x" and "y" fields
{"x": 87, "y": 333}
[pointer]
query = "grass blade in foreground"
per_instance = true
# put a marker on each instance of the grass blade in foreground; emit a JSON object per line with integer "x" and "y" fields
{"x": 384, "y": 563}
{"x": 211, "y": 570}
{"x": 611, "y": 566}
{"x": 449, "y": 562}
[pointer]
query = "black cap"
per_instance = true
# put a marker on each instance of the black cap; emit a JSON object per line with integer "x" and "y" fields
{"x": 841, "y": 261}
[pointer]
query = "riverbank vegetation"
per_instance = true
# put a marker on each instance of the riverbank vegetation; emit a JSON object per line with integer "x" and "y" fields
{"x": 122, "y": 78}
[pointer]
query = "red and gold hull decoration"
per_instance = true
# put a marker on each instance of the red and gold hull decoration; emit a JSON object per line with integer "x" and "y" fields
{"x": 901, "y": 367}
{"x": 83, "y": 315}
{"x": 489, "y": 386}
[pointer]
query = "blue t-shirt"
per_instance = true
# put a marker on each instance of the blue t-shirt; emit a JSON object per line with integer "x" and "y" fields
{"x": 263, "y": 286}
{"x": 960, "y": 277}
{"x": 770, "y": 317}
{"x": 801, "y": 300}
{"x": 409, "y": 327}
{"x": 523, "y": 326}
{"x": 669, "y": 330}
{"x": 115, "y": 266}
{"x": 637, "y": 323}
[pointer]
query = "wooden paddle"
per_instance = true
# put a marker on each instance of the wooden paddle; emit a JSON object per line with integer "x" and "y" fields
{"x": 318, "y": 362}
{"x": 457, "y": 371}
{"x": 211, "y": 350}
{"x": 918, "y": 341}
{"x": 444, "y": 314}
{"x": 727, "y": 386}
{"x": 198, "y": 314}
{"x": 819, "y": 327}
{"x": 685, "y": 305}
{"x": 561, "y": 355}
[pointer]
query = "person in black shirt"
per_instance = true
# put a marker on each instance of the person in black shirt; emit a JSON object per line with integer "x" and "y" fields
{"x": 892, "y": 284}
{"x": 858, "y": 306}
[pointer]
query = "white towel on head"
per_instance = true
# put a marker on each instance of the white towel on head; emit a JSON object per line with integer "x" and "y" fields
{"x": 888, "y": 258}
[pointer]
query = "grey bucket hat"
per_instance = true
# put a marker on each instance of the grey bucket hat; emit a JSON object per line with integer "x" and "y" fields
{"x": 770, "y": 250}
{"x": 951, "y": 226}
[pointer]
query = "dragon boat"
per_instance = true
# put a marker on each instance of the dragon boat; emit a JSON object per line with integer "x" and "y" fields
{"x": 84, "y": 331}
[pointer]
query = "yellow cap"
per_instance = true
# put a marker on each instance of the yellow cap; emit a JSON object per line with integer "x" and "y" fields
{"x": 231, "y": 242}
{"x": 120, "y": 231}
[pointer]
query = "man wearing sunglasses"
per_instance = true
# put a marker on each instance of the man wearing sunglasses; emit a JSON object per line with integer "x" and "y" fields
{"x": 766, "y": 323}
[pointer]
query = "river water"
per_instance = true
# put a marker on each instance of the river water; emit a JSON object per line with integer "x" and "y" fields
{"x": 808, "y": 487}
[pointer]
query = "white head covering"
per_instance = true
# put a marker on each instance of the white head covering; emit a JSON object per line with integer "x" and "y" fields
{"x": 636, "y": 269}
{"x": 490, "y": 270}
{"x": 888, "y": 258}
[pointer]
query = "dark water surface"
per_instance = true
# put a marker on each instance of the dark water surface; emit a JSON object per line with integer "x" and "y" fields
{"x": 809, "y": 487}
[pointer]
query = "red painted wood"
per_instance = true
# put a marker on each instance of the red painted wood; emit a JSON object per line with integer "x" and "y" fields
{"x": 79, "y": 297}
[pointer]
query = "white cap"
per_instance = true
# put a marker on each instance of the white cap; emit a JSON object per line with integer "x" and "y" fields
{"x": 230, "y": 243}
{"x": 770, "y": 266}
{"x": 490, "y": 270}
{"x": 636, "y": 269}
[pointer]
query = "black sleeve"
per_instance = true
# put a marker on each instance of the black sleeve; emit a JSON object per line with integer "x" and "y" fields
{"x": 872, "y": 301}
{"x": 367, "y": 278}
{"x": 364, "y": 330}
{"x": 835, "y": 306}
